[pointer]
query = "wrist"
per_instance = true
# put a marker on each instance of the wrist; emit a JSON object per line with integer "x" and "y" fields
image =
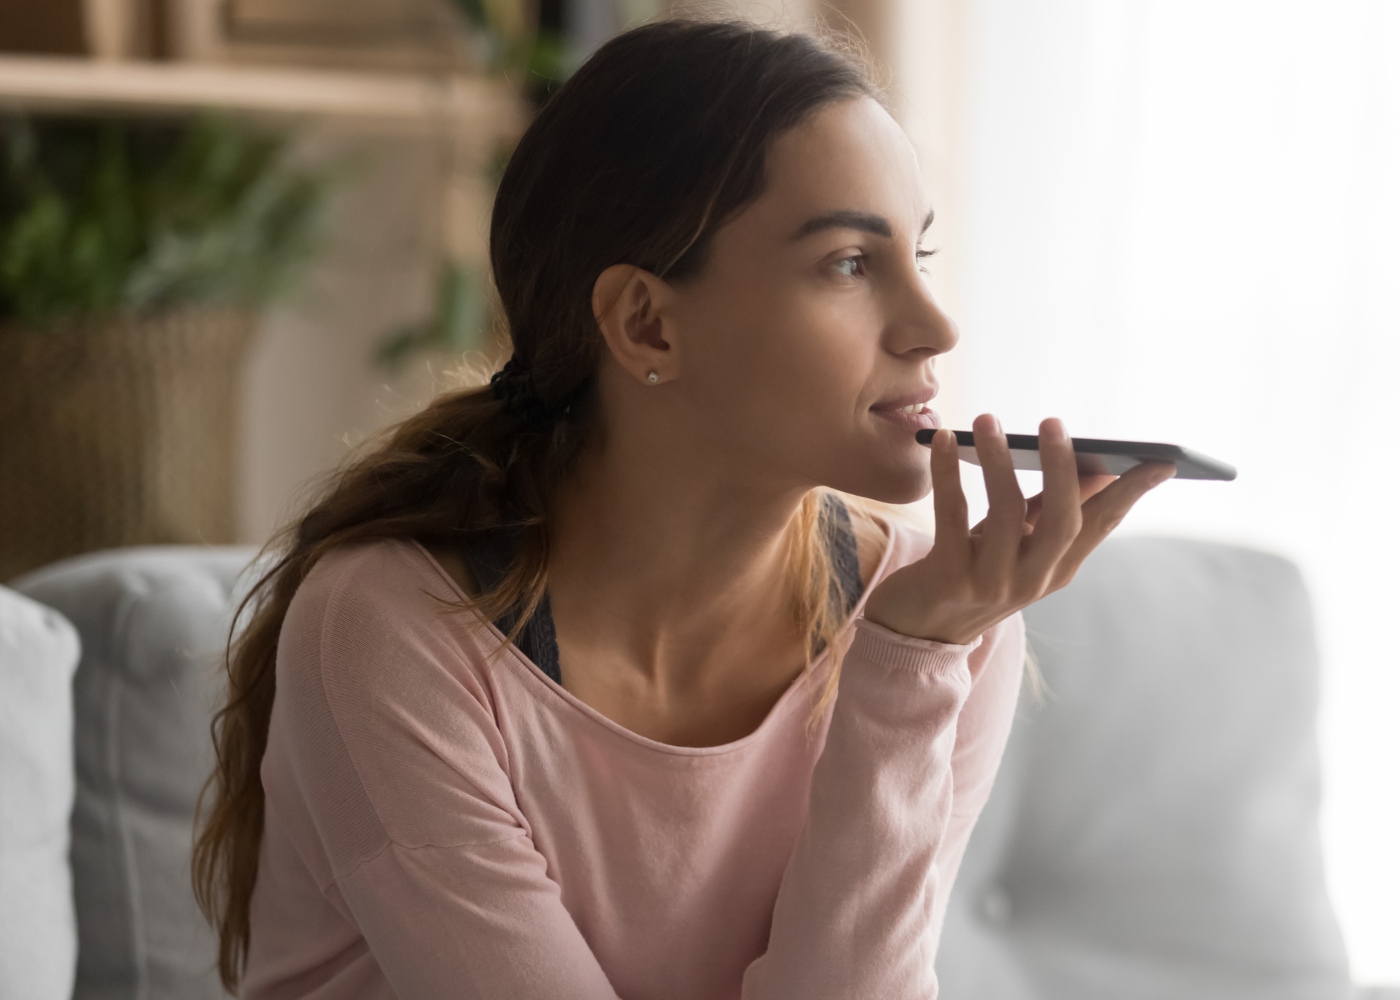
{"x": 919, "y": 626}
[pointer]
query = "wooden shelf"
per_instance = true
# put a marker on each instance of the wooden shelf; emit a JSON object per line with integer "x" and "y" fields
{"x": 359, "y": 99}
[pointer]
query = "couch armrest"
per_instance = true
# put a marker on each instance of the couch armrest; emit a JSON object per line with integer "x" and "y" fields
{"x": 153, "y": 623}
{"x": 38, "y": 939}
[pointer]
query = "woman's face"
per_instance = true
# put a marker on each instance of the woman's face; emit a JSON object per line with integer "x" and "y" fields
{"x": 812, "y": 317}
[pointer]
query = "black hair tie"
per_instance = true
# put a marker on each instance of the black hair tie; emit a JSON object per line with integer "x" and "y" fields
{"x": 514, "y": 387}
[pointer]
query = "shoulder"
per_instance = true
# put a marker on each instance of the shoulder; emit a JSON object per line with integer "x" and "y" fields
{"x": 375, "y": 620}
{"x": 385, "y": 706}
{"x": 906, "y": 539}
{"x": 372, "y": 572}
{"x": 390, "y": 586}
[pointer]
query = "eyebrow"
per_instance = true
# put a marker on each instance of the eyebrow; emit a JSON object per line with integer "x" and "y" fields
{"x": 865, "y": 222}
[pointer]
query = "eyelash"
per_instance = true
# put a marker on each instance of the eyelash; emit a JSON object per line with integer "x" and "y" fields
{"x": 918, "y": 255}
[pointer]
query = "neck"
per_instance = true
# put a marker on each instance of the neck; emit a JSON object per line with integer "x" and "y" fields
{"x": 669, "y": 568}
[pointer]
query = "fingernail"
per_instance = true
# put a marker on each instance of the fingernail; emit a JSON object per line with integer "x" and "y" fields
{"x": 1054, "y": 431}
{"x": 946, "y": 440}
{"x": 997, "y": 423}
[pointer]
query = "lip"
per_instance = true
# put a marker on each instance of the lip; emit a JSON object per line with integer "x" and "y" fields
{"x": 928, "y": 419}
{"x": 923, "y": 394}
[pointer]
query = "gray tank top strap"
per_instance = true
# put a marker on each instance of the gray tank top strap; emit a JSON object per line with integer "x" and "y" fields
{"x": 488, "y": 557}
{"x": 841, "y": 540}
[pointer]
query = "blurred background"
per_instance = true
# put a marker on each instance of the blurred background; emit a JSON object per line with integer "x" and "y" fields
{"x": 1165, "y": 221}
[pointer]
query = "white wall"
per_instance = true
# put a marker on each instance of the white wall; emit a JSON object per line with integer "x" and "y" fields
{"x": 311, "y": 389}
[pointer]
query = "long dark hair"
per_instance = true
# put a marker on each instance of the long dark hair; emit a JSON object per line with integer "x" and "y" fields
{"x": 652, "y": 145}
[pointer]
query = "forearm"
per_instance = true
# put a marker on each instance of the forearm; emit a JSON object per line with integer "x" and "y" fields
{"x": 855, "y": 914}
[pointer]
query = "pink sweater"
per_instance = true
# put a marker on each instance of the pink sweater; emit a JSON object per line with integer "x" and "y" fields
{"x": 440, "y": 827}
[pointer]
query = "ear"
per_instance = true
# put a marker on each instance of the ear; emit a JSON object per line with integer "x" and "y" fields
{"x": 631, "y": 306}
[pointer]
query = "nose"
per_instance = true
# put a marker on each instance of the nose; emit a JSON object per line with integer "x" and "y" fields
{"x": 918, "y": 323}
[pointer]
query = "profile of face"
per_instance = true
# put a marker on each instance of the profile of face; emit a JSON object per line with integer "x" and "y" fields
{"x": 782, "y": 360}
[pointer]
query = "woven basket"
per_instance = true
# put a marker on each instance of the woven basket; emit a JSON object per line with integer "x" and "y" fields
{"x": 118, "y": 431}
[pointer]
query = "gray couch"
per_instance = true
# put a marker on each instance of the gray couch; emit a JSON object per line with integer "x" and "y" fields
{"x": 1153, "y": 832}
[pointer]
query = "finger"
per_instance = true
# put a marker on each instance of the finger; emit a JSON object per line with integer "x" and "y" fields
{"x": 1033, "y": 508}
{"x": 977, "y": 529}
{"x": 1059, "y": 521}
{"x": 1091, "y": 484}
{"x": 1106, "y": 509}
{"x": 1006, "y": 506}
{"x": 949, "y": 502}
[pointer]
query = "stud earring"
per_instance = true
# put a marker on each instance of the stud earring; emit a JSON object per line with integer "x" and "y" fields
{"x": 653, "y": 378}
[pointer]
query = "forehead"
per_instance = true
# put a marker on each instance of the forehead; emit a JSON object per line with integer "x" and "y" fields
{"x": 848, "y": 156}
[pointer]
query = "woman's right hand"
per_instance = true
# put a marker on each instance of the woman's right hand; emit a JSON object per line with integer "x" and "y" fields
{"x": 972, "y": 579}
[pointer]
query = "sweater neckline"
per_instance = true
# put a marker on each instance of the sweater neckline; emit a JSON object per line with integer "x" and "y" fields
{"x": 549, "y": 691}
{"x": 489, "y": 556}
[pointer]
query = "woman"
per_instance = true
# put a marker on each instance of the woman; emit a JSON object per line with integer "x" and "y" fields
{"x": 742, "y": 730}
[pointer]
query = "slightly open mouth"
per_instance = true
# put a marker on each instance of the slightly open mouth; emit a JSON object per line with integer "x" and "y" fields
{"x": 915, "y": 417}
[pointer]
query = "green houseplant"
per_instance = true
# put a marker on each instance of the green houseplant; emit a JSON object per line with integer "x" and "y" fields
{"x": 509, "y": 40}
{"x": 133, "y": 257}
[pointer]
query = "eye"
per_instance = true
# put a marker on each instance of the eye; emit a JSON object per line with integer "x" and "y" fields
{"x": 922, "y": 254}
{"x": 851, "y": 266}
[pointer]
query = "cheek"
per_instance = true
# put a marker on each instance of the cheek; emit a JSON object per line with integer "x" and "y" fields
{"x": 792, "y": 375}
{"x": 780, "y": 376}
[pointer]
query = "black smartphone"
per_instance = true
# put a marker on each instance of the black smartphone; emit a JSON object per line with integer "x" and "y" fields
{"x": 1097, "y": 456}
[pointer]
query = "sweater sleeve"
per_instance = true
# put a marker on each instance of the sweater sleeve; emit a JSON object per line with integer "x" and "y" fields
{"x": 915, "y": 739}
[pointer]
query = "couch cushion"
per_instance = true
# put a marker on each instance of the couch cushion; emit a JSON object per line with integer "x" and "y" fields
{"x": 38, "y": 937}
{"x": 1153, "y": 832}
{"x": 153, "y": 623}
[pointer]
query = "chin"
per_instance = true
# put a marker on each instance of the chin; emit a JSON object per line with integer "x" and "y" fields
{"x": 893, "y": 481}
